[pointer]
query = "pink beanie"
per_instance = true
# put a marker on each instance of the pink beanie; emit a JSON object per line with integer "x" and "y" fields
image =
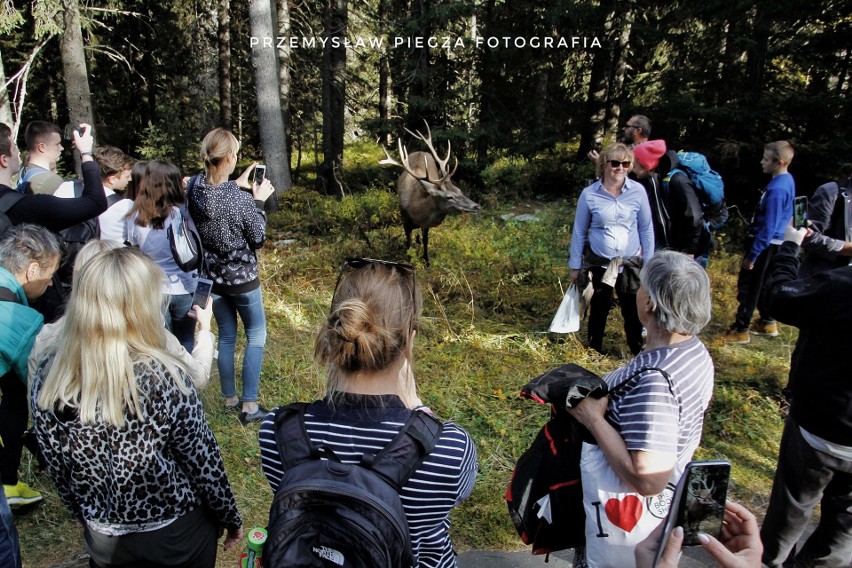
{"x": 649, "y": 153}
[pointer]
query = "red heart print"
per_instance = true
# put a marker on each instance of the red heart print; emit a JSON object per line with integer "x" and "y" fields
{"x": 624, "y": 513}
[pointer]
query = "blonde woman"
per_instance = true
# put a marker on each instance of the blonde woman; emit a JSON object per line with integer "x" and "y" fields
{"x": 611, "y": 238}
{"x": 197, "y": 364}
{"x": 366, "y": 343}
{"x": 232, "y": 225}
{"x": 122, "y": 428}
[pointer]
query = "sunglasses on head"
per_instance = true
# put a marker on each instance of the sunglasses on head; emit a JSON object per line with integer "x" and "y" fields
{"x": 616, "y": 163}
{"x": 628, "y": 125}
{"x": 359, "y": 263}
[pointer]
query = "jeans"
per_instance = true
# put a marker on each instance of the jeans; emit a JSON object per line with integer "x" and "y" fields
{"x": 249, "y": 306}
{"x": 178, "y": 322}
{"x": 10, "y": 550}
{"x": 804, "y": 478}
{"x": 750, "y": 290}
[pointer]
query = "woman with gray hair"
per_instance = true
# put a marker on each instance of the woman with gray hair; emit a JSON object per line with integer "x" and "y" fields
{"x": 649, "y": 426}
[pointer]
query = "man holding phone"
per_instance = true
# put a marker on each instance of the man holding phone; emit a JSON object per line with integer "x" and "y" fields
{"x": 815, "y": 459}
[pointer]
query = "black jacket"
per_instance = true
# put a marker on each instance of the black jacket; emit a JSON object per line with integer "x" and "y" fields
{"x": 821, "y": 307}
{"x": 688, "y": 233}
{"x": 830, "y": 214}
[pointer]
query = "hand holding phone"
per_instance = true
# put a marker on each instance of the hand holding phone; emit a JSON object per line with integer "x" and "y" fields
{"x": 698, "y": 504}
{"x": 800, "y": 211}
{"x": 69, "y": 131}
{"x": 201, "y": 298}
{"x": 259, "y": 174}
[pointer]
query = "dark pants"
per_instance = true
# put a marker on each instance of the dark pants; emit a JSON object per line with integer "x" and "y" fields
{"x": 10, "y": 550}
{"x": 750, "y": 290}
{"x": 804, "y": 478}
{"x": 599, "y": 310}
{"x": 189, "y": 542}
{"x": 14, "y": 413}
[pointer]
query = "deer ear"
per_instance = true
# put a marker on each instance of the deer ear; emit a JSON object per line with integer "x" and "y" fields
{"x": 431, "y": 188}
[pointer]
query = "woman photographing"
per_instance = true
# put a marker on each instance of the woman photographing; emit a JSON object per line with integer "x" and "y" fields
{"x": 366, "y": 343}
{"x": 612, "y": 236}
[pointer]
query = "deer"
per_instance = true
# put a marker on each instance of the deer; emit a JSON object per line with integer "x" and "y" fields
{"x": 426, "y": 190}
{"x": 701, "y": 503}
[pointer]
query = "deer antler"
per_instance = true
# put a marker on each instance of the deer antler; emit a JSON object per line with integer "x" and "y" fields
{"x": 442, "y": 164}
{"x": 403, "y": 154}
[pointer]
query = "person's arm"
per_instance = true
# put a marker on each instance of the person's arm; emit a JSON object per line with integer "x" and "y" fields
{"x": 646, "y": 472}
{"x": 826, "y": 247}
{"x": 196, "y": 451}
{"x": 254, "y": 216}
{"x": 579, "y": 234}
{"x": 687, "y": 216}
{"x": 800, "y": 302}
{"x": 645, "y": 224}
{"x": 821, "y": 206}
{"x": 773, "y": 205}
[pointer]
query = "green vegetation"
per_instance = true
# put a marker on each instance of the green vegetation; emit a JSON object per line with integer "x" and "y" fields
{"x": 489, "y": 296}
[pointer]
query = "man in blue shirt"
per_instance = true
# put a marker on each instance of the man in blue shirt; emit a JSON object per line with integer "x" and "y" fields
{"x": 766, "y": 233}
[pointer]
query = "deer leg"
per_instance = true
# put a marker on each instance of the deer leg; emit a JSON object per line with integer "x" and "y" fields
{"x": 425, "y": 232}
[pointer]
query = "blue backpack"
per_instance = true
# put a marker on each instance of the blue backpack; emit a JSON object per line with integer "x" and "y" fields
{"x": 708, "y": 182}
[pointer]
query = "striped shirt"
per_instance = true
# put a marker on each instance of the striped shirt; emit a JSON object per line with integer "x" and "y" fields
{"x": 364, "y": 423}
{"x": 656, "y": 415}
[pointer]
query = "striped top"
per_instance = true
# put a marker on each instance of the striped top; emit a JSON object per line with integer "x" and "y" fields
{"x": 365, "y": 423}
{"x": 656, "y": 415}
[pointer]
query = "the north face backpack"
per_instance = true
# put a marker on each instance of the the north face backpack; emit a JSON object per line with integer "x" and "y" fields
{"x": 331, "y": 514}
{"x": 708, "y": 182}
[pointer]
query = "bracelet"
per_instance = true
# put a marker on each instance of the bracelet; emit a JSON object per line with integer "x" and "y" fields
{"x": 86, "y": 154}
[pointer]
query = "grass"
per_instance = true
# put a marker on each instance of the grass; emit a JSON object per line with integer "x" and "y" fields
{"x": 489, "y": 296}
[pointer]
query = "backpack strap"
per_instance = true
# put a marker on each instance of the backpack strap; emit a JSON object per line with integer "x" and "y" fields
{"x": 398, "y": 461}
{"x": 8, "y": 199}
{"x": 635, "y": 374}
{"x": 395, "y": 463}
{"x": 29, "y": 173}
{"x": 7, "y": 295}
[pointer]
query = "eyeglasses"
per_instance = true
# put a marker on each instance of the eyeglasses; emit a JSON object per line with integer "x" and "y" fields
{"x": 628, "y": 125}
{"x": 359, "y": 263}
{"x": 616, "y": 163}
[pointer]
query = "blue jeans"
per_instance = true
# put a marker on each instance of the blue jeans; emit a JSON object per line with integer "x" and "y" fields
{"x": 10, "y": 551}
{"x": 178, "y": 322}
{"x": 249, "y": 306}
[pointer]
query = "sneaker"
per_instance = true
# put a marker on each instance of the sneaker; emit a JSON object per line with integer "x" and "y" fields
{"x": 21, "y": 494}
{"x": 735, "y": 335}
{"x": 233, "y": 407}
{"x": 256, "y": 416}
{"x": 764, "y": 327}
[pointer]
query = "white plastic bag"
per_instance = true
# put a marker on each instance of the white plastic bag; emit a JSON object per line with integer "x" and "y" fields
{"x": 567, "y": 318}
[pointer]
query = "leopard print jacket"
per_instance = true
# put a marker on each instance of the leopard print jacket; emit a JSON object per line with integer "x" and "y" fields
{"x": 158, "y": 467}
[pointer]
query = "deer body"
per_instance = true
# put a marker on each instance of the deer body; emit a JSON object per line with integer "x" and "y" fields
{"x": 426, "y": 191}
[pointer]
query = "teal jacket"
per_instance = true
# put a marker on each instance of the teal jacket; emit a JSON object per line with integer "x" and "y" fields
{"x": 19, "y": 325}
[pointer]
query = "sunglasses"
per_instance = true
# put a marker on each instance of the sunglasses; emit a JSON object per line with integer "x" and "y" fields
{"x": 359, "y": 263}
{"x": 616, "y": 163}
{"x": 631, "y": 126}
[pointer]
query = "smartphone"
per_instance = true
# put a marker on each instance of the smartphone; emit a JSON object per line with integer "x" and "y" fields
{"x": 202, "y": 292}
{"x": 259, "y": 174}
{"x": 800, "y": 211}
{"x": 69, "y": 131}
{"x": 698, "y": 504}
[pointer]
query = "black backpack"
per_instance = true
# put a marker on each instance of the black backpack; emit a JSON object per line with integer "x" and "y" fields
{"x": 76, "y": 236}
{"x": 330, "y": 514}
{"x": 8, "y": 199}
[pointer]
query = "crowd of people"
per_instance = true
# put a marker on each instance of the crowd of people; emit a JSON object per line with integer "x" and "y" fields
{"x": 107, "y": 356}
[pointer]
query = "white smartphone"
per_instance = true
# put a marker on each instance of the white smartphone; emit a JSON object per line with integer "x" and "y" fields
{"x": 698, "y": 504}
{"x": 259, "y": 174}
{"x": 202, "y": 292}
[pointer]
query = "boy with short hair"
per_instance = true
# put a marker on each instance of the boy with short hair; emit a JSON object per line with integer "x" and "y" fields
{"x": 766, "y": 233}
{"x": 44, "y": 146}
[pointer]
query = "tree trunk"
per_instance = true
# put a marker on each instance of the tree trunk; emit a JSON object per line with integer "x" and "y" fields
{"x": 77, "y": 93}
{"x": 333, "y": 101}
{"x": 385, "y": 94}
{"x": 619, "y": 64}
{"x": 224, "y": 37}
{"x": 284, "y": 64}
{"x": 592, "y": 134}
{"x": 5, "y": 103}
{"x": 271, "y": 123}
